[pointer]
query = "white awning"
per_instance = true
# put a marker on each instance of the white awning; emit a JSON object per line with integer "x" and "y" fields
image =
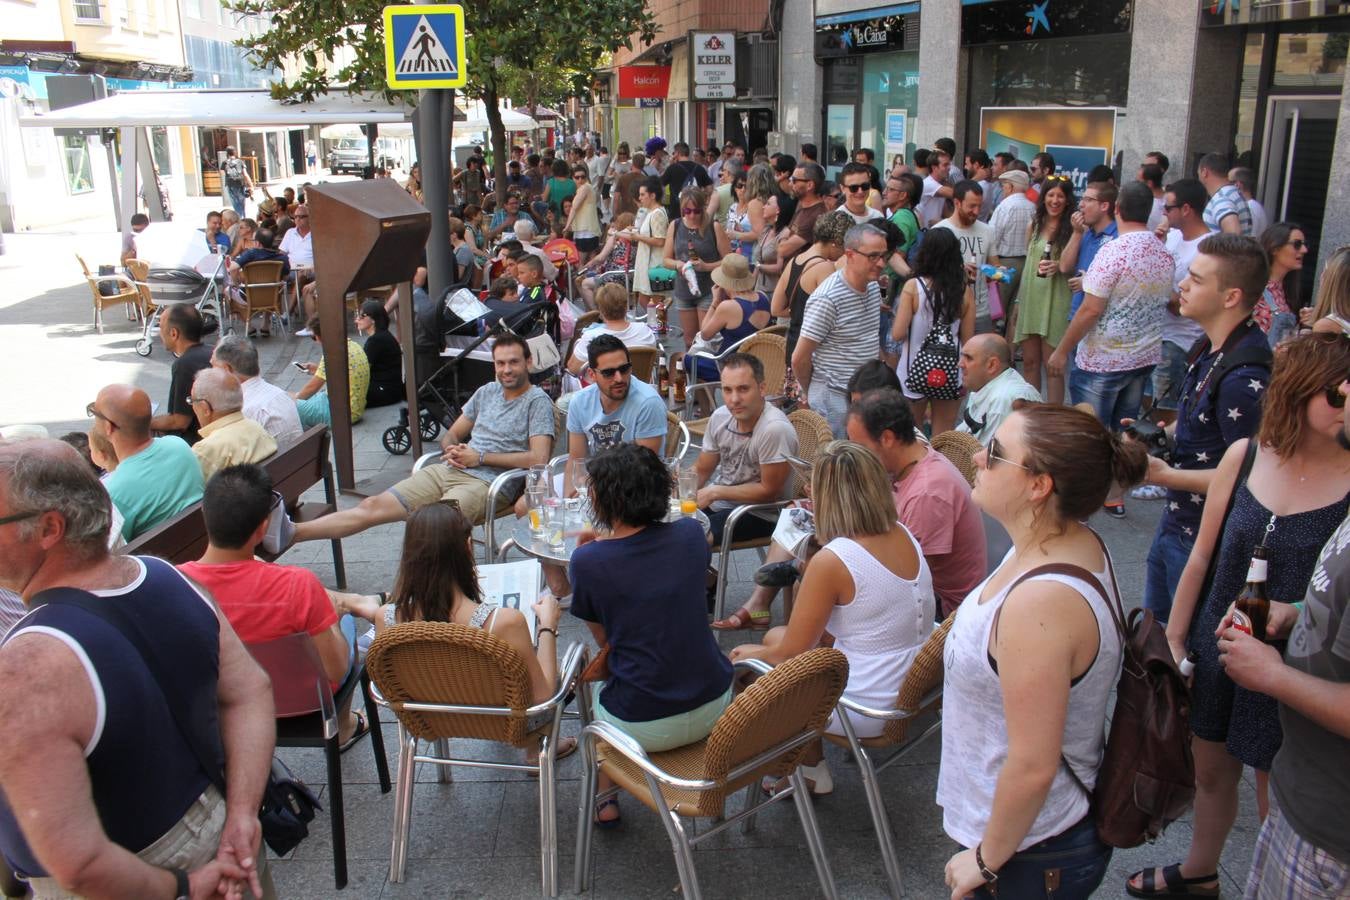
{"x": 475, "y": 120}
{"x": 353, "y": 130}
{"x": 217, "y": 109}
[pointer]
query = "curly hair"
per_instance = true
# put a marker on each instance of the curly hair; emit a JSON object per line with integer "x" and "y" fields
{"x": 630, "y": 485}
{"x": 940, "y": 261}
{"x": 831, "y": 228}
{"x": 1064, "y": 229}
{"x": 1304, "y": 367}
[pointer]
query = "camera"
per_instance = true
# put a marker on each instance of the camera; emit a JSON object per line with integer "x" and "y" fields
{"x": 1154, "y": 437}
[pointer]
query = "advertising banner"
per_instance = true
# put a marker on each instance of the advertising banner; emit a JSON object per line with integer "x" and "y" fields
{"x": 643, "y": 82}
{"x": 896, "y": 119}
{"x": 714, "y": 57}
{"x": 1078, "y": 138}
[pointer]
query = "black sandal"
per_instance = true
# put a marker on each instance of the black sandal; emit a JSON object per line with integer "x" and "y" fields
{"x": 1174, "y": 884}
{"x": 362, "y": 729}
{"x": 607, "y": 824}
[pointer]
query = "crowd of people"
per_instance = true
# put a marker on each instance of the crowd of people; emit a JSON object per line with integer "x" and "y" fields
{"x": 1158, "y": 348}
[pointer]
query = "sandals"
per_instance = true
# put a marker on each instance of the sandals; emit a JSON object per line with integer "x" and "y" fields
{"x": 607, "y": 824}
{"x": 362, "y": 729}
{"x": 1174, "y": 884}
{"x": 566, "y": 747}
{"x": 741, "y": 619}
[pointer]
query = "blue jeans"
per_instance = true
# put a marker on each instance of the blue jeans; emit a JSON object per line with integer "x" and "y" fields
{"x": 1166, "y": 560}
{"x": 1112, "y": 395}
{"x": 1074, "y": 860}
{"x": 237, "y": 195}
{"x": 1169, "y": 375}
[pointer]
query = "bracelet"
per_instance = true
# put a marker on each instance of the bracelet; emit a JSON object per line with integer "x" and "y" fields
{"x": 480, "y": 458}
{"x": 986, "y": 873}
{"x": 552, "y": 631}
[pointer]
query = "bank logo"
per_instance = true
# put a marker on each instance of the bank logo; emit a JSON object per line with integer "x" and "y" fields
{"x": 1037, "y": 18}
{"x": 1218, "y": 6}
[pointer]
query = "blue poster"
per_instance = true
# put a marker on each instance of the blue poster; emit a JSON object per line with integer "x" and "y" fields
{"x": 1077, "y": 162}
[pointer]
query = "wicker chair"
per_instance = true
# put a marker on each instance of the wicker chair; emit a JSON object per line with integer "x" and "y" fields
{"x": 140, "y": 276}
{"x": 584, "y": 321}
{"x": 127, "y": 293}
{"x": 644, "y": 361}
{"x": 813, "y": 432}
{"x": 263, "y": 290}
{"x": 447, "y": 681}
{"x": 767, "y": 348}
{"x": 762, "y": 733}
{"x": 960, "y": 448}
{"x": 920, "y": 697}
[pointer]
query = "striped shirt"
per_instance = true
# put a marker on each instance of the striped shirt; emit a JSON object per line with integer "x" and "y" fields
{"x": 1228, "y": 201}
{"x": 845, "y": 323}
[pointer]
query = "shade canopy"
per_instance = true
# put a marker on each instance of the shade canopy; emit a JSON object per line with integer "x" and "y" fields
{"x": 353, "y": 130}
{"x": 218, "y": 109}
{"x": 476, "y": 120}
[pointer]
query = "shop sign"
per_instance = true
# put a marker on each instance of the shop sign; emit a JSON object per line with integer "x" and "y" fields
{"x": 650, "y": 102}
{"x": 1078, "y": 138}
{"x": 637, "y": 82}
{"x": 714, "y": 92}
{"x": 714, "y": 57}
{"x": 896, "y": 120}
{"x": 1013, "y": 21}
{"x": 886, "y": 33}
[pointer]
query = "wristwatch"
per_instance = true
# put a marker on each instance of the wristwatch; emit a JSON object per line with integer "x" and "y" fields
{"x": 988, "y": 874}
{"x": 182, "y": 890}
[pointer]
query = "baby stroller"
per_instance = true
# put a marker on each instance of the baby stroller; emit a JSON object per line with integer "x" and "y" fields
{"x": 181, "y": 284}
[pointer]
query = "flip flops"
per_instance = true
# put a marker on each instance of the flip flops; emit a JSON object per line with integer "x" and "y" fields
{"x": 741, "y": 619}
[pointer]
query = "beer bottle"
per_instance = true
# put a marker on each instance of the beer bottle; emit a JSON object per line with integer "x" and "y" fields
{"x": 1045, "y": 258}
{"x": 663, "y": 379}
{"x": 1253, "y": 607}
{"x": 679, "y": 380}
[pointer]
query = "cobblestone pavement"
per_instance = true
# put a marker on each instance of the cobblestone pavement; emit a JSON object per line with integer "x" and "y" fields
{"x": 478, "y": 836}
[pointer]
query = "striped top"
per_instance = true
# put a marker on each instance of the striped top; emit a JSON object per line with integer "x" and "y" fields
{"x": 845, "y": 323}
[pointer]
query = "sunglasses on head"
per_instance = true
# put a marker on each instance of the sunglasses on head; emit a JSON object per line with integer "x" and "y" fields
{"x": 994, "y": 451}
{"x": 1064, "y": 178}
{"x": 615, "y": 370}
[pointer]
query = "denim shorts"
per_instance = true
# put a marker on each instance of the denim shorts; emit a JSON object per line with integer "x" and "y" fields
{"x": 1168, "y": 376}
{"x": 1068, "y": 866}
{"x": 1166, "y": 560}
{"x": 1112, "y": 395}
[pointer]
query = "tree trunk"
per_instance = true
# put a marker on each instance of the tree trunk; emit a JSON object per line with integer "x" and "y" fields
{"x": 500, "y": 149}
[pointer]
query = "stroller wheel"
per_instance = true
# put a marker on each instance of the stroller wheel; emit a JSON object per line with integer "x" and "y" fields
{"x": 397, "y": 440}
{"x": 430, "y": 427}
{"x": 143, "y": 347}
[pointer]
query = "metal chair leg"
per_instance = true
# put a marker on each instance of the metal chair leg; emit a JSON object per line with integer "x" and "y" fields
{"x": 407, "y": 774}
{"x": 751, "y": 795}
{"x": 802, "y": 798}
{"x": 679, "y": 844}
{"x": 581, "y": 865}
{"x": 335, "y": 812}
{"x": 877, "y": 807}
{"x": 444, "y": 774}
{"x": 548, "y": 819}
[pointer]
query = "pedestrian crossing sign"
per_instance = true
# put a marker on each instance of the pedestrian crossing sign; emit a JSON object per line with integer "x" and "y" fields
{"x": 424, "y": 46}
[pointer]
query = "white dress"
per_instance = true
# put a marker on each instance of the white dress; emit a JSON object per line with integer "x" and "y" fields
{"x": 919, "y": 326}
{"x": 653, "y": 225}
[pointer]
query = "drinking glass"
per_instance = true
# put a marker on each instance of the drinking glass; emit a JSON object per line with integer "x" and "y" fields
{"x": 688, "y": 486}
{"x": 535, "y": 497}
{"x": 555, "y": 525}
{"x": 537, "y": 477}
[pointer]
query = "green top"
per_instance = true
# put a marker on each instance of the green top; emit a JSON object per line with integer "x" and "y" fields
{"x": 1043, "y": 303}
{"x": 908, "y": 223}
{"x": 559, "y": 189}
{"x": 159, "y": 482}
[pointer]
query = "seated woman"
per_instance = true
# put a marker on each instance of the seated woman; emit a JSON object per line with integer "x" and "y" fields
{"x": 437, "y": 582}
{"x": 1031, "y": 661}
{"x": 383, "y": 353}
{"x": 868, "y": 591}
{"x": 612, "y": 262}
{"x": 612, "y": 303}
{"x": 668, "y": 680}
{"x": 741, "y": 314}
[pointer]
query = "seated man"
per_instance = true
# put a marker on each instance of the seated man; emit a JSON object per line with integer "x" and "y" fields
{"x": 155, "y": 478}
{"x": 217, "y": 241}
{"x": 312, "y": 400}
{"x": 995, "y": 387}
{"x": 264, "y": 402}
{"x": 266, "y": 251}
{"x": 525, "y": 233}
{"x": 611, "y": 300}
{"x": 180, "y": 328}
{"x": 932, "y": 500}
{"x": 228, "y": 439}
{"x": 139, "y": 222}
{"x": 507, "y": 424}
{"x": 745, "y": 451}
{"x": 264, "y": 601}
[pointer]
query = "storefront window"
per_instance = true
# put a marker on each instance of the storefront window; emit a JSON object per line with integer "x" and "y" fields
{"x": 890, "y": 98}
{"x": 839, "y": 118}
{"x": 79, "y": 171}
{"x": 1310, "y": 60}
{"x": 1244, "y": 140}
{"x": 159, "y": 149}
{"x": 1083, "y": 71}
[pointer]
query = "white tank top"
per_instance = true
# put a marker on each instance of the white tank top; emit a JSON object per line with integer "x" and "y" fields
{"x": 975, "y": 732}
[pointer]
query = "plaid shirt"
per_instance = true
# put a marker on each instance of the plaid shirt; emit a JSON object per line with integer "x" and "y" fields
{"x": 1011, "y": 223}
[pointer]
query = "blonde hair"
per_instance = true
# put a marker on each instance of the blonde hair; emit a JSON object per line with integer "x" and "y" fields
{"x": 612, "y": 301}
{"x": 623, "y": 220}
{"x": 695, "y": 196}
{"x": 1333, "y": 288}
{"x": 852, "y": 493}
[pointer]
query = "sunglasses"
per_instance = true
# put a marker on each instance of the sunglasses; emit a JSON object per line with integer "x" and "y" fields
{"x": 854, "y": 188}
{"x": 615, "y": 370}
{"x": 1298, "y": 244}
{"x": 1335, "y": 399}
{"x": 1169, "y": 208}
{"x": 994, "y": 451}
{"x": 1064, "y": 178}
{"x": 690, "y": 211}
{"x": 19, "y": 517}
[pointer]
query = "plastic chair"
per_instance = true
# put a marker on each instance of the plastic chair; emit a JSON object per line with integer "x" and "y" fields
{"x": 813, "y": 432}
{"x": 764, "y": 732}
{"x": 263, "y": 291}
{"x": 495, "y": 510}
{"x": 306, "y": 710}
{"x": 447, "y": 681}
{"x": 920, "y": 695}
{"x": 127, "y": 293}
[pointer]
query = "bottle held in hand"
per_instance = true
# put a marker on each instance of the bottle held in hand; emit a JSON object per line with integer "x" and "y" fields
{"x": 1045, "y": 258}
{"x": 1252, "y": 609}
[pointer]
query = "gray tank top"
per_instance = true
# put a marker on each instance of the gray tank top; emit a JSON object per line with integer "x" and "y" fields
{"x": 480, "y": 615}
{"x": 975, "y": 732}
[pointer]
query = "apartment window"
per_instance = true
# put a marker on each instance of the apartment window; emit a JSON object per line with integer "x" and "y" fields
{"x": 88, "y": 9}
{"x": 79, "y": 169}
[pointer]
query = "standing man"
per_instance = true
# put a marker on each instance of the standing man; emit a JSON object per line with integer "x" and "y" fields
{"x": 728, "y": 151}
{"x": 1000, "y": 163}
{"x": 981, "y": 172}
{"x": 840, "y": 327}
{"x": 1042, "y": 167}
{"x": 1094, "y": 225}
{"x": 1120, "y": 321}
{"x": 783, "y": 167}
{"x": 977, "y": 245}
{"x": 180, "y": 330}
{"x": 1011, "y": 223}
{"x": 1244, "y": 180}
{"x": 808, "y": 182}
{"x": 1220, "y": 398}
{"x": 237, "y": 182}
{"x": 855, "y": 181}
{"x": 264, "y": 402}
{"x": 1227, "y": 210}
{"x": 112, "y": 800}
{"x": 936, "y": 191}
{"x": 681, "y": 172}
{"x": 311, "y": 156}
{"x": 1184, "y": 203}
{"x": 1151, "y": 174}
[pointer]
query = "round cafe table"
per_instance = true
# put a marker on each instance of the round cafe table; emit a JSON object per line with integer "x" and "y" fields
{"x": 524, "y": 540}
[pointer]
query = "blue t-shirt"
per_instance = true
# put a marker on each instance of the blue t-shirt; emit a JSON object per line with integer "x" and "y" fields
{"x": 647, "y": 591}
{"x": 264, "y": 255}
{"x": 642, "y": 415}
{"x": 1206, "y": 428}
{"x": 159, "y": 482}
{"x": 1087, "y": 251}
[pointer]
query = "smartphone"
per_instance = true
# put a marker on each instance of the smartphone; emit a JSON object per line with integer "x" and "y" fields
{"x": 301, "y": 367}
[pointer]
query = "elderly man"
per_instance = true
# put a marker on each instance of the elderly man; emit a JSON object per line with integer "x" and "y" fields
{"x": 119, "y": 778}
{"x": 507, "y": 424}
{"x": 841, "y": 327}
{"x": 525, "y": 233}
{"x": 180, "y": 328}
{"x": 995, "y": 387}
{"x": 298, "y": 245}
{"x": 228, "y": 439}
{"x": 155, "y": 478}
{"x": 264, "y": 402}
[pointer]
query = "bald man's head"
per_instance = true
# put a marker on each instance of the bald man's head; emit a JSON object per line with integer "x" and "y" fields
{"x": 994, "y": 345}
{"x": 983, "y": 358}
{"x": 127, "y": 409}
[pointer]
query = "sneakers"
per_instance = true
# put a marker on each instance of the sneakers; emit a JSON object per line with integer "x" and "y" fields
{"x": 1115, "y": 510}
{"x": 777, "y": 574}
{"x": 1149, "y": 492}
{"x": 304, "y": 332}
{"x": 280, "y": 529}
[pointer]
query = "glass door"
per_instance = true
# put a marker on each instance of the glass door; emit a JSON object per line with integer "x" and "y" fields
{"x": 839, "y": 119}
{"x": 1299, "y": 141}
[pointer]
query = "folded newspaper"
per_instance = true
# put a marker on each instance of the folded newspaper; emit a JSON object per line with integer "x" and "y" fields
{"x": 465, "y": 304}
{"x": 795, "y": 526}
{"x": 513, "y": 585}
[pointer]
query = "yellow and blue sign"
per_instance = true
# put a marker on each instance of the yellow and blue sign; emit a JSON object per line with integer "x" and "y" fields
{"x": 424, "y": 46}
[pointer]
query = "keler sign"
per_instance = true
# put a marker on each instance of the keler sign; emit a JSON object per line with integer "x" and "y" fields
{"x": 714, "y": 57}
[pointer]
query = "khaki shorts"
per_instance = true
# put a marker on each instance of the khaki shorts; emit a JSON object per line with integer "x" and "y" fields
{"x": 440, "y": 481}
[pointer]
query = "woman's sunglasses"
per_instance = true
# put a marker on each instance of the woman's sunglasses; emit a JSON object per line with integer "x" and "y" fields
{"x": 994, "y": 450}
{"x": 1335, "y": 399}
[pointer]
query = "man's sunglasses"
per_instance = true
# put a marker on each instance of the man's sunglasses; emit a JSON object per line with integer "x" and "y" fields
{"x": 19, "y": 517}
{"x": 994, "y": 451}
{"x": 615, "y": 370}
{"x": 854, "y": 188}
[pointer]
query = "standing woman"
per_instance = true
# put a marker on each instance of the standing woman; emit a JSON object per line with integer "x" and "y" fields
{"x": 584, "y": 220}
{"x": 650, "y": 237}
{"x": 1331, "y": 312}
{"x": 764, "y": 258}
{"x": 1030, "y": 664}
{"x": 937, "y": 292}
{"x": 1298, "y": 466}
{"x": 803, "y": 274}
{"x": 697, "y": 239}
{"x": 1043, "y": 296}
{"x": 760, "y": 187}
{"x": 383, "y": 353}
{"x": 1285, "y": 246}
{"x": 557, "y": 189}
{"x": 739, "y": 229}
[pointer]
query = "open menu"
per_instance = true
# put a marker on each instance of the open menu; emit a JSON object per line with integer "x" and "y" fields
{"x": 513, "y": 585}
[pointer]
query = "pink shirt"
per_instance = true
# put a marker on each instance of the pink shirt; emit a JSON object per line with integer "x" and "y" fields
{"x": 933, "y": 502}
